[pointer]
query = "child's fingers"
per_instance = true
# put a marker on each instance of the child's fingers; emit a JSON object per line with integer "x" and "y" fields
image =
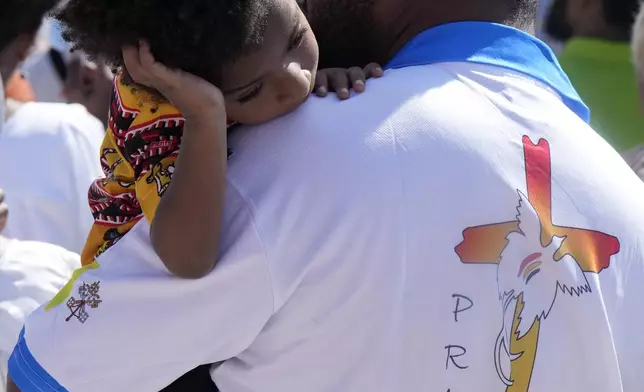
{"x": 321, "y": 84}
{"x": 163, "y": 76}
{"x": 339, "y": 82}
{"x": 146, "y": 57}
{"x": 373, "y": 70}
{"x": 133, "y": 65}
{"x": 357, "y": 79}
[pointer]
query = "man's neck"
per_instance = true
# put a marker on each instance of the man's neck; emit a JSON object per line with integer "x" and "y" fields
{"x": 411, "y": 24}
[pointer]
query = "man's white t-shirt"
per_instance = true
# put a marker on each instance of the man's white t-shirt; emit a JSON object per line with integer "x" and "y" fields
{"x": 30, "y": 274}
{"x": 49, "y": 156}
{"x": 455, "y": 228}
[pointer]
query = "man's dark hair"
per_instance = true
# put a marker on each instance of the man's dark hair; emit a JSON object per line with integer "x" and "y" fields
{"x": 21, "y": 17}
{"x": 621, "y": 13}
{"x": 196, "y": 36}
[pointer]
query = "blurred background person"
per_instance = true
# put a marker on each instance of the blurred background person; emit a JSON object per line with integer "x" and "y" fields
{"x": 635, "y": 156}
{"x": 16, "y": 92}
{"x": 30, "y": 272}
{"x": 49, "y": 151}
{"x": 541, "y": 30}
{"x": 596, "y": 57}
{"x": 46, "y": 66}
{"x": 47, "y": 157}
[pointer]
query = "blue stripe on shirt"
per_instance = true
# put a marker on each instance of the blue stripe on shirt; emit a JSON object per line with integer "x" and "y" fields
{"x": 491, "y": 44}
{"x": 27, "y": 373}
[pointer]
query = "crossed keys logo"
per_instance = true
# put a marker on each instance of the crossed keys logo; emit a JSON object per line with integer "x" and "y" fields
{"x": 88, "y": 294}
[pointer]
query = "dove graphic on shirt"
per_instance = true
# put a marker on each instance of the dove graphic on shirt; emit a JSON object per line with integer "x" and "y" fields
{"x": 529, "y": 280}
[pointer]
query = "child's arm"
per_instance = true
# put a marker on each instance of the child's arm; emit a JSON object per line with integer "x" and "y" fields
{"x": 341, "y": 80}
{"x": 187, "y": 223}
{"x": 186, "y": 227}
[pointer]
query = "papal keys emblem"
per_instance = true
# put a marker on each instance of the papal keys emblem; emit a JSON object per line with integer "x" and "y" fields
{"x": 88, "y": 296}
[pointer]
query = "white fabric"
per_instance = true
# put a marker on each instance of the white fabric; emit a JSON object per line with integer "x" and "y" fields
{"x": 339, "y": 269}
{"x": 30, "y": 274}
{"x": 43, "y": 78}
{"x": 49, "y": 155}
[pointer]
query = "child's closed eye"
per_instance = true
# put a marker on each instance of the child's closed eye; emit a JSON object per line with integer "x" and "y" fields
{"x": 341, "y": 80}
{"x": 297, "y": 38}
{"x": 250, "y": 94}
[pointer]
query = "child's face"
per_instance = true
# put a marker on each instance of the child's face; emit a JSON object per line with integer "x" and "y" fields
{"x": 278, "y": 77}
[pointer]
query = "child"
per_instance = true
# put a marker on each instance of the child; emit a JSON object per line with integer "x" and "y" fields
{"x": 264, "y": 65}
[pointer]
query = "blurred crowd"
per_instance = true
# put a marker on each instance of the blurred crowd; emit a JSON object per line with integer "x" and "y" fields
{"x": 55, "y": 113}
{"x": 592, "y": 40}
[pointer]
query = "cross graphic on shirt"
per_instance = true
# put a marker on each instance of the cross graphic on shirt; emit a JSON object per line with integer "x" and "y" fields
{"x": 484, "y": 244}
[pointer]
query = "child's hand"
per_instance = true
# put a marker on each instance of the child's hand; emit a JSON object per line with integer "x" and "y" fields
{"x": 193, "y": 96}
{"x": 340, "y": 80}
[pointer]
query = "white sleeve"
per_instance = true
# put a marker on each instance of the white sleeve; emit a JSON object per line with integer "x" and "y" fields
{"x": 31, "y": 273}
{"x": 150, "y": 327}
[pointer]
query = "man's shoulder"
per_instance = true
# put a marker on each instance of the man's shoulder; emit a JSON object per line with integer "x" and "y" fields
{"x": 397, "y": 86}
{"x": 443, "y": 114}
{"x": 360, "y": 140}
{"x": 383, "y": 99}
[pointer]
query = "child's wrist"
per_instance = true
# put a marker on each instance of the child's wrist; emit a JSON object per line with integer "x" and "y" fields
{"x": 210, "y": 113}
{"x": 205, "y": 129}
{"x": 206, "y": 120}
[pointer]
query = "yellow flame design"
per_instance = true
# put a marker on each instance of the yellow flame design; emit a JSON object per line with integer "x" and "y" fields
{"x": 522, "y": 367}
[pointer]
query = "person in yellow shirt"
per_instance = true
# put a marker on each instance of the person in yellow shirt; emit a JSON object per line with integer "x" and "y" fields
{"x": 596, "y": 56}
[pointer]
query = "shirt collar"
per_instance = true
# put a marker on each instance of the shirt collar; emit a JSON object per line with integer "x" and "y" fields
{"x": 491, "y": 44}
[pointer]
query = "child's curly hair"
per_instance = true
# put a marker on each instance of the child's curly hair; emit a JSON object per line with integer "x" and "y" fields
{"x": 196, "y": 36}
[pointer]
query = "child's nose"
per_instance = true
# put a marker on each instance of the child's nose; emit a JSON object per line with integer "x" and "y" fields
{"x": 296, "y": 84}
